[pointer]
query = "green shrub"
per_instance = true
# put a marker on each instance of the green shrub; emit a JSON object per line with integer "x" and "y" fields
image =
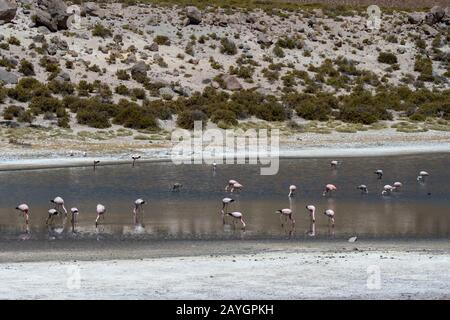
{"x": 421, "y": 44}
{"x": 133, "y": 116}
{"x": 12, "y": 40}
{"x": 11, "y": 112}
{"x": 49, "y": 65}
{"x": 244, "y": 72}
{"x": 227, "y": 117}
{"x": 63, "y": 122}
{"x": 138, "y": 93}
{"x": 289, "y": 43}
{"x": 122, "y": 90}
{"x": 61, "y": 87}
{"x": 162, "y": 40}
{"x": 311, "y": 107}
{"x": 387, "y": 57}
{"x": 271, "y": 110}
{"x": 424, "y": 65}
{"x": 28, "y": 88}
{"x": 39, "y": 105}
{"x": 3, "y": 94}
{"x": 85, "y": 88}
{"x": 186, "y": 118}
{"x": 361, "y": 107}
{"x": 93, "y": 118}
{"x": 122, "y": 75}
{"x": 100, "y": 31}
{"x": 26, "y": 68}
{"x": 227, "y": 46}
{"x": 25, "y": 116}
{"x": 160, "y": 109}
{"x": 278, "y": 52}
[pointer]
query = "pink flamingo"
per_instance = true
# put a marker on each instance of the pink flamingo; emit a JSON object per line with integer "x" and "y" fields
{"x": 312, "y": 216}
{"x": 379, "y": 173}
{"x": 96, "y": 162}
{"x": 230, "y": 184}
{"x": 330, "y": 214}
{"x": 236, "y": 187}
{"x": 100, "y": 213}
{"x": 287, "y": 214}
{"x": 51, "y": 214}
{"x": 225, "y": 203}
{"x": 387, "y": 189}
{"x": 334, "y": 164}
{"x": 363, "y": 188}
{"x": 312, "y": 212}
{"x": 25, "y": 210}
{"x": 74, "y": 212}
{"x": 177, "y": 187}
{"x": 422, "y": 175}
{"x": 397, "y": 186}
{"x": 135, "y": 157}
{"x": 59, "y": 204}
{"x": 292, "y": 190}
{"x": 138, "y": 208}
{"x": 328, "y": 189}
{"x": 236, "y": 216}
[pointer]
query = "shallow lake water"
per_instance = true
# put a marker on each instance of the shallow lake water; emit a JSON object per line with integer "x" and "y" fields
{"x": 419, "y": 210}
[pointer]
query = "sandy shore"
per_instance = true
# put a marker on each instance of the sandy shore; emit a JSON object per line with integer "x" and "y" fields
{"x": 226, "y": 270}
{"x": 37, "y": 160}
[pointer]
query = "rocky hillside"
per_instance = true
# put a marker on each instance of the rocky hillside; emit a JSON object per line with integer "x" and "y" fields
{"x": 140, "y": 65}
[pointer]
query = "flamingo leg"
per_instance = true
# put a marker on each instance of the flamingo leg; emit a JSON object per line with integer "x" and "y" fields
{"x": 96, "y": 220}
{"x": 292, "y": 220}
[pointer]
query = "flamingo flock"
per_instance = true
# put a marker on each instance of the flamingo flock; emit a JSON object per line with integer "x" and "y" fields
{"x": 233, "y": 186}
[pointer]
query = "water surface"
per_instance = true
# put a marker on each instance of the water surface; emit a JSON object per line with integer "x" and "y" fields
{"x": 420, "y": 210}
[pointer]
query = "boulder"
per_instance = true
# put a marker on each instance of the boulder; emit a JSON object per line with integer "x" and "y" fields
{"x": 8, "y": 11}
{"x": 416, "y": 17}
{"x": 139, "y": 69}
{"x": 91, "y": 9}
{"x": 429, "y": 30}
{"x": 194, "y": 15}
{"x": 262, "y": 38}
{"x": 153, "y": 47}
{"x": 435, "y": 15}
{"x": 8, "y": 77}
{"x": 51, "y": 14}
{"x": 167, "y": 93}
{"x": 232, "y": 83}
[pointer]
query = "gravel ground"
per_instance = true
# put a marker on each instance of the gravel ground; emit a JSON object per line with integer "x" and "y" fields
{"x": 226, "y": 270}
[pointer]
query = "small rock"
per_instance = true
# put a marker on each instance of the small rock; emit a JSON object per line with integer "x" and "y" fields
{"x": 8, "y": 77}
{"x": 167, "y": 93}
{"x": 194, "y": 15}
{"x": 232, "y": 83}
{"x": 8, "y": 11}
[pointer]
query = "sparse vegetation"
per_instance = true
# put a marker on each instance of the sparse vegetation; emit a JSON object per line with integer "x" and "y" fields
{"x": 387, "y": 57}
